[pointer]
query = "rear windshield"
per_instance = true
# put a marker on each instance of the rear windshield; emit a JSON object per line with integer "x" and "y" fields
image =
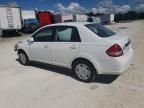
{"x": 100, "y": 30}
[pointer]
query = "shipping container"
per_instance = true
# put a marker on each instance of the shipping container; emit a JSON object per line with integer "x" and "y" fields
{"x": 61, "y": 18}
{"x": 80, "y": 18}
{"x": 94, "y": 19}
{"x": 107, "y": 18}
{"x": 10, "y": 18}
{"x": 30, "y": 22}
{"x": 44, "y": 18}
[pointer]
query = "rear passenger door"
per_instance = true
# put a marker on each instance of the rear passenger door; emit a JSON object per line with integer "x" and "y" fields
{"x": 66, "y": 45}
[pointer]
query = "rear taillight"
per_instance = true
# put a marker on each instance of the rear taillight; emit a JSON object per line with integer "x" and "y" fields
{"x": 115, "y": 51}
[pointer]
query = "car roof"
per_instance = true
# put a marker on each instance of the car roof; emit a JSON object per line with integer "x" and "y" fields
{"x": 69, "y": 24}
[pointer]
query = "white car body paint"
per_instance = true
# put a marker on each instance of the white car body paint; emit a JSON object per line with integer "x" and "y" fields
{"x": 91, "y": 47}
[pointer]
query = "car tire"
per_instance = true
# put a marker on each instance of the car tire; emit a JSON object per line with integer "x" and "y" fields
{"x": 84, "y": 71}
{"x": 23, "y": 58}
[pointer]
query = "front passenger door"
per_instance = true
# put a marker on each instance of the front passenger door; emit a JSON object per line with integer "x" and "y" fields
{"x": 41, "y": 47}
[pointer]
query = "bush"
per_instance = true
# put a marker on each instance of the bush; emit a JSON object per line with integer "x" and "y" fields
{"x": 131, "y": 15}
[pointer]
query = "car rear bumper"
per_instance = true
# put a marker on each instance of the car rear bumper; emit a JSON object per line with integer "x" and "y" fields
{"x": 118, "y": 65}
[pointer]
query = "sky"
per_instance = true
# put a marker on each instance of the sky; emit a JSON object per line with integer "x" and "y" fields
{"x": 76, "y": 5}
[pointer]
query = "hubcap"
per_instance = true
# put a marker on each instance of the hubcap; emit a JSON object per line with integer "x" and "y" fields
{"x": 83, "y": 71}
{"x": 22, "y": 58}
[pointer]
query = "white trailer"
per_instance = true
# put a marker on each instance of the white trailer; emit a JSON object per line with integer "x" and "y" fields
{"x": 10, "y": 18}
{"x": 60, "y": 18}
{"x": 80, "y": 18}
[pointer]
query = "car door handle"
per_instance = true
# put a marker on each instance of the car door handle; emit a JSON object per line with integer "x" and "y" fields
{"x": 72, "y": 47}
{"x": 45, "y": 46}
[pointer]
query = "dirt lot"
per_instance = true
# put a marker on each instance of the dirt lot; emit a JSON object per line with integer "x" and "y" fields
{"x": 44, "y": 86}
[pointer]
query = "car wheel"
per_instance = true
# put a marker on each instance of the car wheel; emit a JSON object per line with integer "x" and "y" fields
{"x": 23, "y": 58}
{"x": 84, "y": 71}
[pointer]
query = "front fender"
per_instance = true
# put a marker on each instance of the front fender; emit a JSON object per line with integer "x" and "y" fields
{"x": 24, "y": 46}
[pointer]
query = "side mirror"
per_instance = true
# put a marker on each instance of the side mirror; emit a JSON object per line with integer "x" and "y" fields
{"x": 30, "y": 40}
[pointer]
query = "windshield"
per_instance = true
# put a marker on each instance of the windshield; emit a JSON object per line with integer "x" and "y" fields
{"x": 30, "y": 21}
{"x": 100, "y": 30}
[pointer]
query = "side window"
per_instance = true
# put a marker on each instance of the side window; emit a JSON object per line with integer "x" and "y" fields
{"x": 44, "y": 35}
{"x": 67, "y": 34}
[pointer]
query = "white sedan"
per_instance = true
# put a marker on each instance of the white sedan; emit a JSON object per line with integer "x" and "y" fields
{"x": 86, "y": 48}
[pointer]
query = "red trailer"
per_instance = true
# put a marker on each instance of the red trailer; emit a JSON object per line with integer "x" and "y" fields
{"x": 44, "y": 18}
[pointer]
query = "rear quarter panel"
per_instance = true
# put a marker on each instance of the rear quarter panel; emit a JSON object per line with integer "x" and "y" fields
{"x": 95, "y": 53}
{"x": 93, "y": 48}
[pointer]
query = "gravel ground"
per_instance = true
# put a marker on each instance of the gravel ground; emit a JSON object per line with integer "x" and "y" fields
{"x": 45, "y": 86}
